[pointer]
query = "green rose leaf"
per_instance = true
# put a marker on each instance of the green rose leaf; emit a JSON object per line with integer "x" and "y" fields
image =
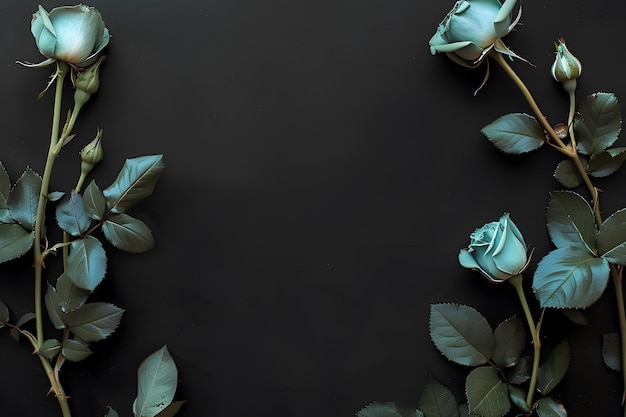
{"x": 612, "y": 238}
{"x": 487, "y": 395}
{"x": 515, "y": 133}
{"x": 111, "y": 412}
{"x": 570, "y": 221}
{"x": 135, "y": 181}
{"x": 128, "y": 233}
{"x": 5, "y": 190}
{"x": 15, "y": 241}
{"x": 611, "y": 351}
{"x": 93, "y": 199}
{"x": 597, "y": 123}
{"x": 388, "y": 409}
{"x": 436, "y": 400}
{"x": 607, "y": 162}
{"x": 518, "y": 398}
{"x": 55, "y": 195}
{"x": 93, "y": 322}
{"x": 69, "y": 296}
{"x": 461, "y": 334}
{"x": 570, "y": 277}
{"x": 86, "y": 263}
{"x": 71, "y": 215}
{"x": 510, "y": 342}
{"x": 521, "y": 372}
{"x": 157, "y": 381}
{"x": 4, "y": 314}
{"x": 24, "y": 198}
{"x": 567, "y": 174}
{"x": 549, "y": 407}
{"x": 53, "y": 305}
{"x": 75, "y": 350}
{"x": 552, "y": 371}
{"x": 50, "y": 348}
{"x": 15, "y": 331}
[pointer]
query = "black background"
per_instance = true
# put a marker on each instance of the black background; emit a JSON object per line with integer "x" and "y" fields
{"x": 323, "y": 170}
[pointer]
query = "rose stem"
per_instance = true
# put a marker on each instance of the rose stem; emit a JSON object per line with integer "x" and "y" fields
{"x": 61, "y": 72}
{"x": 516, "y": 281}
{"x": 571, "y": 151}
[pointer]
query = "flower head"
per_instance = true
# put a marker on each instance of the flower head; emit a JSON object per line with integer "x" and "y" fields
{"x": 472, "y": 29}
{"x": 87, "y": 82}
{"x": 72, "y": 34}
{"x": 497, "y": 250}
{"x": 92, "y": 153}
{"x": 566, "y": 67}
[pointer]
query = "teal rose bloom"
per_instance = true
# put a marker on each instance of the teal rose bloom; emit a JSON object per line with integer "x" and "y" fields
{"x": 497, "y": 250}
{"x": 472, "y": 29}
{"x": 72, "y": 34}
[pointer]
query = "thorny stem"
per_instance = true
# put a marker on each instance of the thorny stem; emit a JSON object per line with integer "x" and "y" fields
{"x": 43, "y": 197}
{"x": 516, "y": 281}
{"x": 61, "y": 71}
{"x": 572, "y": 152}
{"x": 560, "y": 145}
{"x": 569, "y": 150}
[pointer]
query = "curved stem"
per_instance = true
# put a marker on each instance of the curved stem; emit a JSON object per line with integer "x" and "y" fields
{"x": 572, "y": 151}
{"x": 576, "y": 160}
{"x": 569, "y": 150}
{"x": 516, "y": 281}
{"x": 61, "y": 72}
{"x": 561, "y": 146}
{"x": 56, "y": 388}
{"x": 62, "y": 69}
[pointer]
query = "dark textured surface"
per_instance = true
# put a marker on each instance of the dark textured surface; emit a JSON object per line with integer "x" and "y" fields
{"x": 323, "y": 170}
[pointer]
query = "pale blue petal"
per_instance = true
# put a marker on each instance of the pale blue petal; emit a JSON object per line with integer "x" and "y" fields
{"x": 505, "y": 11}
{"x": 467, "y": 260}
{"x": 450, "y": 47}
{"x": 47, "y": 43}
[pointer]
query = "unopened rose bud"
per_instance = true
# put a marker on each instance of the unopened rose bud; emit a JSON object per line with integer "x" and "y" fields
{"x": 566, "y": 67}
{"x": 91, "y": 154}
{"x": 87, "y": 82}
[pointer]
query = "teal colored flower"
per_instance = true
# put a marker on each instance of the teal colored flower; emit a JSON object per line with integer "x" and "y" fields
{"x": 497, "y": 250}
{"x": 72, "y": 34}
{"x": 472, "y": 29}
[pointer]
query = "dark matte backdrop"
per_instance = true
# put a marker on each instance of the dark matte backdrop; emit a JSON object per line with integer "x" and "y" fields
{"x": 323, "y": 170}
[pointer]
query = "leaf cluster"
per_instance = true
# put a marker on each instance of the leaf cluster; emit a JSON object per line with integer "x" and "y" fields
{"x": 499, "y": 367}
{"x": 79, "y": 216}
{"x": 499, "y": 372}
{"x": 597, "y": 126}
{"x": 576, "y": 272}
